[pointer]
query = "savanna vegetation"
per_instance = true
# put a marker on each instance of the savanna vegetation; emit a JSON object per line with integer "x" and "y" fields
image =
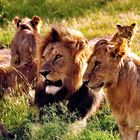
{"x": 95, "y": 18}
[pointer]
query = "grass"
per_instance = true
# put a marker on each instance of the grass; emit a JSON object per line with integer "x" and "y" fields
{"x": 95, "y": 18}
{"x": 19, "y": 117}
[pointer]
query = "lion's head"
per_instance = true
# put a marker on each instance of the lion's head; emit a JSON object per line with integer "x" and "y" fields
{"x": 105, "y": 64}
{"x": 27, "y": 23}
{"x": 126, "y": 32}
{"x": 63, "y": 56}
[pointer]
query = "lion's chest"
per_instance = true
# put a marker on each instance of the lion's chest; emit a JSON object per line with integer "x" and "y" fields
{"x": 81, "y": 101}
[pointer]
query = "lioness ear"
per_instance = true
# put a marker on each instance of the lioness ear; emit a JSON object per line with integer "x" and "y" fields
{"x": 119, "y": 27}
{"x": 133, "y": 26}
{"x": 54, "y": 35}
{"x": 17, "y": 21}
{"x": 119, "y": 50}
{"x": 36, "y": 20}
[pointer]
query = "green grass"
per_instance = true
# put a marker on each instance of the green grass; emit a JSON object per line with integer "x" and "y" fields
{"x": 95, "y": 18}
{"x": 19, "y": 117}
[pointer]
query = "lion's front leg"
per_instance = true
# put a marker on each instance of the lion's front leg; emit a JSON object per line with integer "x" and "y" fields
{"x": 127, "y": 133}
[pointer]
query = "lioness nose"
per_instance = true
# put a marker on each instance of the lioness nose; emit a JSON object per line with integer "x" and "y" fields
{"x": 45, "y": 73}
{"x": 86, "y": 82}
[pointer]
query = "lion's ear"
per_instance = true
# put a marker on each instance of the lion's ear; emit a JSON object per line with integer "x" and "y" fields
{"x": 17, "y": 21}
{"x": 79, "y": 48}
{"x": 119, "y": 27}
{"x": 133, "y": 25}
{"x": 54, "y": 35}
{"x": 81, "y": 44}
{"x": 36, "y": 20}
{"x": 119, "y": 50}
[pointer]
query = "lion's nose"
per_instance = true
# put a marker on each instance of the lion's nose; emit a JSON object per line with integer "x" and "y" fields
{"x": 44, "y": 73}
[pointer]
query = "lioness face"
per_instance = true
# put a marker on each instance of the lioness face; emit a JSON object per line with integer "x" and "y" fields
{"x": 56, "y": 62}
{"x": 103, "y": 68}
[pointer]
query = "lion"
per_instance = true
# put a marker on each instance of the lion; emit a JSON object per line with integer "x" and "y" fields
{"x": 62, "y": 60}
{"x": 117, "y": 69}
{"x": 126, "y": 32}
{"x": 25, "y": 42}
{"x": 13, "y": 81}
{"x": 12, "y": 78}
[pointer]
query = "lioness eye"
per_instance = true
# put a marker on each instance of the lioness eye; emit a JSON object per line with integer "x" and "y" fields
{"x": 129, "y": 34}
{"x": 57, "y": 57}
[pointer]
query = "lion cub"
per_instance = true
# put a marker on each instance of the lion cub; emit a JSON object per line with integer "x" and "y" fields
{"x": 25, "y": 41}
{"x": 123, "y": 32}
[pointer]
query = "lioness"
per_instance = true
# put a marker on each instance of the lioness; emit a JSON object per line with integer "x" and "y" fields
{"x": 63, "y": 56}
{"x": 126, "y": 32}
{"x": 117, "y": 69}
{"x": 12, "y": 78}
{"x": 24, "y": 43}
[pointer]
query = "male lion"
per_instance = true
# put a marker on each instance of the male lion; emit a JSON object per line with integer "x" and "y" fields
{"x": 63, "y": 56}
{"x": 25, "y": 41}
{"x": 118, "y": 70}
{"x": 123, "y": 32}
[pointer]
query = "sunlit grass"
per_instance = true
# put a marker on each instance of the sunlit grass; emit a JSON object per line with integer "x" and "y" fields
{"x": 19, "y": 117}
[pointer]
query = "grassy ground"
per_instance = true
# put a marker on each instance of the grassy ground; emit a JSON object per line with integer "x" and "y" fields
{"x": 95, "y": 18}
{"x": 19, "y": 117}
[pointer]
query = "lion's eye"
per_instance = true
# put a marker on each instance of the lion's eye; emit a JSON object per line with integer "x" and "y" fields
{"x": 96, "y": 64}
{"x": 58, "y": 56}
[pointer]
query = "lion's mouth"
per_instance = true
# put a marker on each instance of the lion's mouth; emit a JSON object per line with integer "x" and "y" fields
{"x": 57, "y": 83}
{"x": 97, "y": 86}
{"x": 52, "y": 87}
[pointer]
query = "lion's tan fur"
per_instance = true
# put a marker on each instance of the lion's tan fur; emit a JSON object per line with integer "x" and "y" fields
{"x": 119, "y": 69}
{"x": 13, "y": 80}
{"x": 18, "y": 78}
